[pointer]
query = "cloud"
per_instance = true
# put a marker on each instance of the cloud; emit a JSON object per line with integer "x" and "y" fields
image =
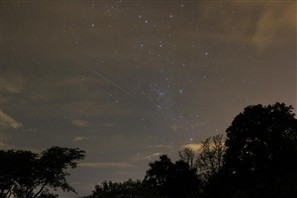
{"x": 195, "y": 147}
{"x": 12, "y": 83}
{"x": 9, "y": 121}
{"x": 81, "y": 123}
{"x": 262, "y": 24}
{"x": 80, "y": 138}
{"x": 111, "y": 124}
{"x": 121, "y": 165}
{"x": 10, "y": 87}
{"x": 154, "y": 155}
{"x": 166, "y": 146}
{"x": 174, "y": 127}
{"x": 272, "y": 28}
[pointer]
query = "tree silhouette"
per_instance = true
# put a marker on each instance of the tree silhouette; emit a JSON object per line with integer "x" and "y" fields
{"x": 209, "y": 161}
{"x": 261, "y": 146}
{"x": 15, "y": 169}
{"x": 25, "y": 174}
{"x": 130, "y": 188}
{"x": 210, "y": 157}
{"x": 158, "y": 174}
{"x": 187, "y": 155}
{"x": 173, "y": 179}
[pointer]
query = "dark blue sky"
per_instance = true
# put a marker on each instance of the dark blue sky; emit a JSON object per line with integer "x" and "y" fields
{"x": 126, "y": 81}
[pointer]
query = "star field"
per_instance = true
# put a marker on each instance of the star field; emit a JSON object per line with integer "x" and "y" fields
{"x": 129, "y": 80}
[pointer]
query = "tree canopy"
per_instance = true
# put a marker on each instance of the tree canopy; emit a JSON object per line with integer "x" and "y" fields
{"x": 26, "y": 174}
{"x": 129, "y": 188}
{"x": 261, "y": 145}
{"x": 173, "y": 179}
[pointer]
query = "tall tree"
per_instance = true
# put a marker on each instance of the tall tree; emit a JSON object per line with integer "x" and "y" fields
{"x": 25, "y": 174}
{"x": 261, "y": 145}
{"x": 210, "y": 157}
{"x": 209, "y": 161}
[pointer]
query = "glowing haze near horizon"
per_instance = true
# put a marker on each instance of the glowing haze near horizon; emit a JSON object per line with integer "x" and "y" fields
{"x": 126, "y": 81}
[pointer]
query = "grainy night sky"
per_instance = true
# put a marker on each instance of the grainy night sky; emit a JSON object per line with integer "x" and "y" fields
{"x": 126, "y": 81}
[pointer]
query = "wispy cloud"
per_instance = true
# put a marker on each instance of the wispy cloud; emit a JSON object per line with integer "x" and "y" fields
{"x": 152, "y": 156}
{"x": 263, "y": 24}
{"x": 122, "y": 165}
{"x": 81, "y": 123}
{"x": 166, "y": 146}
{"x": 195, "y": 147}
{"x": 9, "y": 122}
{"x": 274, "y": 24}
{"x": 10, "y": 87}
{"x": 174, "y": 127}
{"x": 80, "y": 138}
{"x": 111, "y": 124}
{"x": 12, "y": 83}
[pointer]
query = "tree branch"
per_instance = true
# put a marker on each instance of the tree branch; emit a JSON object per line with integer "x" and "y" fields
{"x": 40, "y": 190}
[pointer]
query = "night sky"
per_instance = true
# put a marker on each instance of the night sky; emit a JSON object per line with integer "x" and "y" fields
{"x": 128, "y": 80}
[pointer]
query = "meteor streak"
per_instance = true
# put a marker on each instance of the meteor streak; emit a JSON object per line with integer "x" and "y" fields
{"x": 101, "y": 76}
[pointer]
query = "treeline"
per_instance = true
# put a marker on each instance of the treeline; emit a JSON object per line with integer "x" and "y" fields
{"x": 256, "y": 158}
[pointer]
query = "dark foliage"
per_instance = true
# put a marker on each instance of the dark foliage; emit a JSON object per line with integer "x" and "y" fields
{"x": 25, "y": 174}
{"x": 164, "y": 179}
{"x": 173, "y": 179}
{"x": 261, "y": 151}
{"x": 130, "y": 188}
